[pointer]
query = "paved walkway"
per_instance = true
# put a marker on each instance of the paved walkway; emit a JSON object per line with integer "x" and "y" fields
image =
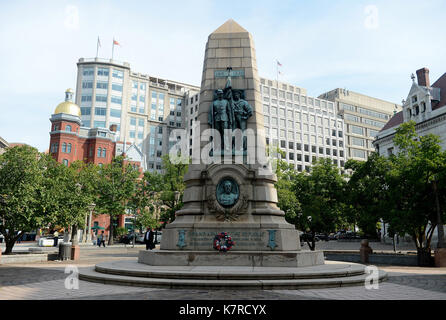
{"x": 47, "y": 281}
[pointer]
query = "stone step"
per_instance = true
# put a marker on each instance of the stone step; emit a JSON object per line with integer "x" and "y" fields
{"x": 91, "y": 275}
{"x": 328, "y": 276}
{"x": 134, "y": 269}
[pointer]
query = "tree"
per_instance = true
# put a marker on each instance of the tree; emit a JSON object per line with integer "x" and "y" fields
{"x": 172, "y": 188}
{"x": 287, "y": 199}
{"x": 21, "y": 185}
{"x": 414, "y": 188}
{"x": 320, "y": 196}
{"x": 116, "y": 187}
{"x": 367, "y": 192}
{"x": 145, "y": 201}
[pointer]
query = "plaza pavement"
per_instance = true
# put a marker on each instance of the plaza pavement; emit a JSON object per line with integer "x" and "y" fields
{"x": 46, "y": 281}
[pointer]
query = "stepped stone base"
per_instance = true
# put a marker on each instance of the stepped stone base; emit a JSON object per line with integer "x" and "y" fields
{"x": 132, "y": 273}
{"x": 232, "y": 258}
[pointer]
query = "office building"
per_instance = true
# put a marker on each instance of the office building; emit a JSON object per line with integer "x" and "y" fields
{"x": 145, "y": 109}
{"x": 363, "y": 116}
{"x": 303, "y": 127}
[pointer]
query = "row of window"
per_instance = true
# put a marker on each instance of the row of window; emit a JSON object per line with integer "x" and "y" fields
{"x": 290, "y": 157}
{"x": 104, "y": 72}
{"x": 371, "y": 122}
{"x": 328, "y": 151}
{"x": 66, "y": 147}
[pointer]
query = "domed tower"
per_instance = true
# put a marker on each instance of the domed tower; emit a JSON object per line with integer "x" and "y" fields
{"x": 64, "y": 134}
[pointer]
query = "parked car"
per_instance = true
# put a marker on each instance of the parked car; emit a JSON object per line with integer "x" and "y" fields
{"x": 157, "y": 238}
{"x": 322, "y": 236}
{"x": 127, "y": 239}
{"x": 307, "y": 237}
{"x": 140, "y": 238}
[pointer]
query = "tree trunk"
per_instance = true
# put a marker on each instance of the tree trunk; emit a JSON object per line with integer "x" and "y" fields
{"x": 441, "y": 242}
{"x": 424, "y": 257}
{"x": 74, "y": 239}
{"x": 110, "y": 235}
{"x": 9, "y": 245}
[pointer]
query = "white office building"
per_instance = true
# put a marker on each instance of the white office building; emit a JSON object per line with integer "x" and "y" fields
{"x": 144, "y": 108}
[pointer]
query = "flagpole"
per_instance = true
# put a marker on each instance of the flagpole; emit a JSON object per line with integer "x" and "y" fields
{"x": 97, "y": 48}
{"x": 113, "y": 47}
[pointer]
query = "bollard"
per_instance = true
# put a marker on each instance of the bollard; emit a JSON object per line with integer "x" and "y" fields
{"x": 365, "y": 251}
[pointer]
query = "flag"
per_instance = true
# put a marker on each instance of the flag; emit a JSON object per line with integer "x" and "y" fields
{"x": 116, "y": 42}
{"x": 278, "y": 63}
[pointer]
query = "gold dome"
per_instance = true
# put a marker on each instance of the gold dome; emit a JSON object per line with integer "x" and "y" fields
{"x": 68, "y": 106}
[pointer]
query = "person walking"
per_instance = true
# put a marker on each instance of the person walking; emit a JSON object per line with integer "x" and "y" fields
{"x": 55, "y": 238}
{"x": 148, "y": 239}
{"x": 101, "y": 239}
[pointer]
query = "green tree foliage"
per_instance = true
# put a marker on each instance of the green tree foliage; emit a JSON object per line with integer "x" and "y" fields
{"x": 21, "y": 187}
{"x": 117, "y": 183}
{"x": 172, "y": 188}
{"x": 287, "y": 199}
{"x": 415, "y": 184}
{"x": 71, "y": 189}
{"x": 146, "y": 200}
{"x": 320, "y": 195}
{"x": 367, "y": 197}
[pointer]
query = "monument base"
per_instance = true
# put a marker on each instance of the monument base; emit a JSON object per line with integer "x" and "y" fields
{"x": 440, "y": 257}
{"x": 231, "y": 258}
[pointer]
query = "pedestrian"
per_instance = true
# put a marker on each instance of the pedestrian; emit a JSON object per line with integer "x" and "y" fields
{"x": 55, "y": 238}
{"x": 101, "y": 239}
{"x": 93, "y": 237}
{"x": 148, "y": 239}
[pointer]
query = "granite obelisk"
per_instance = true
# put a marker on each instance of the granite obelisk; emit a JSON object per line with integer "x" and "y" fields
{"x": 230, "y": 190}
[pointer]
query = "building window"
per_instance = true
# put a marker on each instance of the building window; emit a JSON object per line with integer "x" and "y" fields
{"x": 104, "y": 152}
{"x": 358, "y": 153}
{"x": 103, "y": 72}
{"x": 101, "y": 98}
{"x": 99, "y": 152}
{"x": 115, "y": 113}
{"x": 88, "y": 72}
{"x": 69, "y": 148}
{"x": 86, "y": 98}
{"x": 133, "y": 121}
{"x": 119, "y": 74}
{"x": 99, "y": 124}
{"x": 87, "y": 85}
{"x": 65, "y": 162}
{"x": 101, "y": 85}
{"x": 141, "y": 122}
{"x": 64, "y": 147}
{"x": 68, "y": 128}
{"x": 85, "y": 111}
{"x": 100, "y": 111}
{"x": 132, "y": 134}
{"x": 116, "y": 99}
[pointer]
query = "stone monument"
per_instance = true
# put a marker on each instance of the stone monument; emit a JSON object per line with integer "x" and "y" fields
{"x": 230, "y": 232}
{"x": 231, "y": 191}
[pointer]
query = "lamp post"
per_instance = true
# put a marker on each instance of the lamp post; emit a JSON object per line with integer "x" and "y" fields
{"x": 91, "y": 208}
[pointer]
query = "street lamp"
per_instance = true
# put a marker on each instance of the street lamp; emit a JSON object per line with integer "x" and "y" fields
{"x": 90, "y": 208}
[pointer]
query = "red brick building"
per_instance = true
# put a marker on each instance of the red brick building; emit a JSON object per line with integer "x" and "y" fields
{"x": 69, "y": 141}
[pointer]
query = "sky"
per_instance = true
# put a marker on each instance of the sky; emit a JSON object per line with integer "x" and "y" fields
{"x": 370, "y": 47}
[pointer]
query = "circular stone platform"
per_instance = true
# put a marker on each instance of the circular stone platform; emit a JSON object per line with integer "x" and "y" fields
{"x": 132, "y": 273}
